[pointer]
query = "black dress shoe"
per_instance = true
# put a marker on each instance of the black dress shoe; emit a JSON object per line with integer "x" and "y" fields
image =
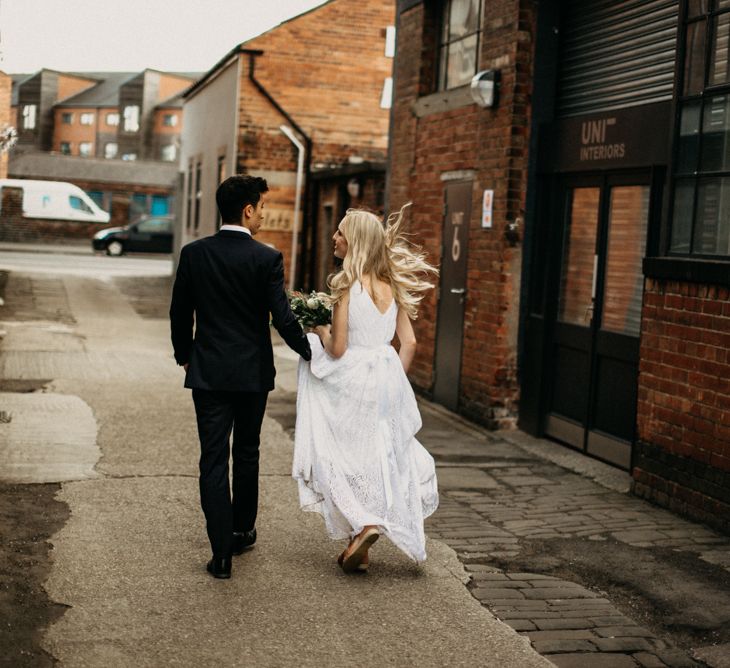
{"x": 219, "y": 567}
{"x": 243, "y": 541}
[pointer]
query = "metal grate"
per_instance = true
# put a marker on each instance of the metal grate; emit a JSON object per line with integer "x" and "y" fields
{"x": 616, "y": 54}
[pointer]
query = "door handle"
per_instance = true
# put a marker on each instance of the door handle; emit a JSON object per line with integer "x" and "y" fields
{"x": 457, "y": 291}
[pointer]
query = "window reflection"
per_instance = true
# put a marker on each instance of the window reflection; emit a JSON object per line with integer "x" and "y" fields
{"x": 694, "y": 65}
{"x": 712, "y": 232}
{"x": 624, "y": 284}
{"x": 720, "y": 54}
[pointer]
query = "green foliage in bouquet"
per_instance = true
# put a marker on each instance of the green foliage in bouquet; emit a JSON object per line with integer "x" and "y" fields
{"x": 310, "y": 310}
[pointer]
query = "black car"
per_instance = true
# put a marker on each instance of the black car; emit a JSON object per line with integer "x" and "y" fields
{"x": 149, "y": 234}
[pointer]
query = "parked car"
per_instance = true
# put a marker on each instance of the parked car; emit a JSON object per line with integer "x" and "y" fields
{"x": 148, "y": 234}
{"x": 57, "y": 200}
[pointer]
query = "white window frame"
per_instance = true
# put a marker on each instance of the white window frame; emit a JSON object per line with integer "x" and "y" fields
{"x": 112, "y": 118}
{"x": 110, "y": 155}
{"x": 82, "y": 152}
{"x": 29, "y": 116}
{"x": 168, "y": 147}
{"x": 86, "y": 118}
{"x": 131, "y": 118}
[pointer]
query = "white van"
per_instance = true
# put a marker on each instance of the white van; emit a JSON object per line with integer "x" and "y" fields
{"x": 57, "y": 200}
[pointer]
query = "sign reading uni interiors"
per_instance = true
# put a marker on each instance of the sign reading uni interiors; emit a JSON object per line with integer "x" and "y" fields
{"x": 633, "y": 137}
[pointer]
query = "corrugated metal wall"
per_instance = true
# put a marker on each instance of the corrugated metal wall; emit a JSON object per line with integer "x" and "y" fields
{"x": 616, "y": 54}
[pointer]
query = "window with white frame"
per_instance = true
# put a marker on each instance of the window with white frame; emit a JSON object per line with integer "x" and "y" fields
{"x": 168, "y": 152}
{"x": 85, "y": 149}
{"x": 459, "y": 42}
{"x": 169, "y": 120}
{"x": 112, "y": 119}
{"x": 29, "y": 116}
{"x": 129, "y": 156}
{"x": 87, "y": 118}
{"x": 131, "y": 118}
{"x": 111, "y": 148}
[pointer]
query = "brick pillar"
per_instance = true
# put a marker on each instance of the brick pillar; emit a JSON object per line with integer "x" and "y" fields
{"x": 682, "y": 454}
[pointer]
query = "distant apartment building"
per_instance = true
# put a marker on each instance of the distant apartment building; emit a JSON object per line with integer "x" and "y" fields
{"x": 109, "y": 119}
{"x": 306, "y": 106}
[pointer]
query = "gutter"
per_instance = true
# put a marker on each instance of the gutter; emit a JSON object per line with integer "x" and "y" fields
{"x": 306, "y": 218}
{"x": 297, "y": 199}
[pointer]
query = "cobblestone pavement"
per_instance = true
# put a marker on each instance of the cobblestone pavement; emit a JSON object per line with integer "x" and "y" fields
{"x": 593, "y": 576}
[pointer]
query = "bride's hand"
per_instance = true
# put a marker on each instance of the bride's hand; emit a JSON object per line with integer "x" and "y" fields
{"x": 322, "y": 331}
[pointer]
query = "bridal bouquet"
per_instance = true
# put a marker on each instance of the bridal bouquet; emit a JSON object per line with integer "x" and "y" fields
{"x": 310, "y": 310}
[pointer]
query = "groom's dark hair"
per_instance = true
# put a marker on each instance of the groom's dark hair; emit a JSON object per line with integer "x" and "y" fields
{"x": 235, "y": 193}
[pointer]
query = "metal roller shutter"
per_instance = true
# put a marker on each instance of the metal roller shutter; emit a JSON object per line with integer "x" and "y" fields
{"x": 616, "y": 54}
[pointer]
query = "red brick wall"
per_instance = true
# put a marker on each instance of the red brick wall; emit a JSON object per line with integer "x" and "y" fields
{"x": 74, "y": 133}
{"x": 492, "y": 143}
{"x": 683, "y": 416}
{"x": 69, "y": 85}
{"x": 6, "y": 117}
{"x": 327, "y": 69}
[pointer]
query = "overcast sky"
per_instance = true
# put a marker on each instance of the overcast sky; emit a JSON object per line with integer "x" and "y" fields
{"x": 130, "y": 35}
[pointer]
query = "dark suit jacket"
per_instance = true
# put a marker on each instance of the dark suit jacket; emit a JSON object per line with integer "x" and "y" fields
{"x": 226, "y": 286}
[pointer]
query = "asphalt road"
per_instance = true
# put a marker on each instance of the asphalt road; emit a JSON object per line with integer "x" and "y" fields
{"x": 85, "y": 264}
{"x": 128, "y": 561}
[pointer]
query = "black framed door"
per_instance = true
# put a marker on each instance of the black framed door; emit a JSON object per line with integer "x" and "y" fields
{"x": 603, "y": 222}
{"x": 452, "y": 294}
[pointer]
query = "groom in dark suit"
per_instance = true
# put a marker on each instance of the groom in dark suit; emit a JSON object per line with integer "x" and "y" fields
{"x": 225, "y": 288}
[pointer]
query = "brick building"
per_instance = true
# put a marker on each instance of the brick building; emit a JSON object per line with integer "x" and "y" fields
{"x": 87, "y": 128}
{"x": 304, "y": 105}
{"x": 582, "y": 223}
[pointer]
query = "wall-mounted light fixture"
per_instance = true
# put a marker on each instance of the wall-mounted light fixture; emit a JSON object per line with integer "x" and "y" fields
{"x": 353, "y": 188}
{"x": 484, "y": 86}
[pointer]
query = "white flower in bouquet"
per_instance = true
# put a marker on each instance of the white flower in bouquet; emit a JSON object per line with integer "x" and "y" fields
{"x": 310, "y": 310}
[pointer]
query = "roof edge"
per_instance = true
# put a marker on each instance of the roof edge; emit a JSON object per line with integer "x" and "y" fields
{"x": 221, "y": 64}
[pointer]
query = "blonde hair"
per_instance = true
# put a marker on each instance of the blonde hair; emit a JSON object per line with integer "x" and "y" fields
{"x": 382, "y": 252}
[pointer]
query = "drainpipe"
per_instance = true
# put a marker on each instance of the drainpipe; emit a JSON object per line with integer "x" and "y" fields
{"x": 300, "y": 174}
{"x": 307, "y": 159}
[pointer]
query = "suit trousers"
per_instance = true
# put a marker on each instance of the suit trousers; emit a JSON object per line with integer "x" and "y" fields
{"x": 218, "y": 413}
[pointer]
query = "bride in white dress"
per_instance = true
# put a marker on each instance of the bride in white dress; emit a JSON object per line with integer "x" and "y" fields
{"x": 356, "y": 459}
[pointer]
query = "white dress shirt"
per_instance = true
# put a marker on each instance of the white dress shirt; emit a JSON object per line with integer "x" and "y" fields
{"x": 236, "y": 228}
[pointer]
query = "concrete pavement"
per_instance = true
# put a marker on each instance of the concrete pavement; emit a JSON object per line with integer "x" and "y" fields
{"x": 129, "y": 563}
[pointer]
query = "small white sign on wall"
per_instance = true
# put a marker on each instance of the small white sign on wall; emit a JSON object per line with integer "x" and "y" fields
{"x": 487, "y": 206}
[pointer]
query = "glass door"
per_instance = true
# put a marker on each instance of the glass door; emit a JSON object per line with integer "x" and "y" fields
{"x": 595, "y": 343}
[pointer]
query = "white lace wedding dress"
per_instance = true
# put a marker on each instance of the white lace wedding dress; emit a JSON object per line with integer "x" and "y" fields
{"x": 356, "y": 459}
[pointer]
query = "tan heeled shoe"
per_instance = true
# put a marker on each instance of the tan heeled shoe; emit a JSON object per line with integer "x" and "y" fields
{"x": 356, "y": 553}
{"x": 363, "y": 566}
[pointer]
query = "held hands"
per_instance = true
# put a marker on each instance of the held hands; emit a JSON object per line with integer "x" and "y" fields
{"x": 322, "y": 331}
